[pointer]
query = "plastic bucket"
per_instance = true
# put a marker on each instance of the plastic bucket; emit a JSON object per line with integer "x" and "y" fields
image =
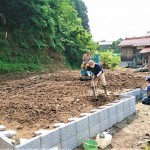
{"x": 90, "y": 145}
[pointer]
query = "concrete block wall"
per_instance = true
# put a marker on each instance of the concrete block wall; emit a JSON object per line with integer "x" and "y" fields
{"x": 68, "y": 136}
{"x": 142, "y": 93}
{"x": 137, "y": 93}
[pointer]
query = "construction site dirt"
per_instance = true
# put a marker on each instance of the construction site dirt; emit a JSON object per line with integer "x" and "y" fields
{"x": 37, "y": 101}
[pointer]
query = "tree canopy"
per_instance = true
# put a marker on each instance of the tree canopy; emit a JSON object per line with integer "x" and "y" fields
{"x": 31, "y": 30}
{"x": 82, "y": 13}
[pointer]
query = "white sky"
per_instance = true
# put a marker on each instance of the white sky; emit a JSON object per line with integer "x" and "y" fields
{"x": 114, "y": 19}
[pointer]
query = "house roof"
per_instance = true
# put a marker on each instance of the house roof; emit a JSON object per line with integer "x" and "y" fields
{"x": 145, "y": 50}
{"x": 136, "y": 41}
{"x": 105, "y": 43}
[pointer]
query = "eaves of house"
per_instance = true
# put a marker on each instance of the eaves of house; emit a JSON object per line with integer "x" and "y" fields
{"x": 135, "y": 42}
{"x": 145, "y": 50}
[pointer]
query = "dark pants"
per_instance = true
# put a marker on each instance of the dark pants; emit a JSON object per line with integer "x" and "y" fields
{"x": 146, "y": 100}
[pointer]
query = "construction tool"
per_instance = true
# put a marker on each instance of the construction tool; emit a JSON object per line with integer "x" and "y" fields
{"x": 94, "y": 90}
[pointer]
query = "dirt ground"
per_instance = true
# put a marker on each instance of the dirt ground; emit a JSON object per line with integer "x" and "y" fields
{"x": 34, "y": 101}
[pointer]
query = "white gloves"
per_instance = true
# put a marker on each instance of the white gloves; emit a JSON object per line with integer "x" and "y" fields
{"x": 89, "y": 73}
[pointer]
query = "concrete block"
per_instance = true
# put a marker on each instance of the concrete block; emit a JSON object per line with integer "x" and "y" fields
{"x": 112, "y": 120}
{"x": 94, "y": 110}
{"x": 5, "y": 145}
{"x": 119, "y": 107}
{"x": 94, "y": 130}
{"x": 137, "y": 97}
{"x": 56, "y": 147}
{"x": 34, "y": 143}
{"x": 50, "y": 139}
{"x": 121, "y": 96}
{"x": 135, "y": 92}
{"x": 132, "y": 110}
{"x": 112, "y": 110}
{"x": 126, "y": 112}
{"x": 57, "y": 125}
{"x": 8, "y": 133}
{"x": 94, "y": 119}
{"x": 68, "y": 131}
{"x": 132, "y": 101}
{"x": 120, "y": 116}
{"x": 138, "y": 94}
{"x": 82, "y": 124}
{"x": 2, "y": 128}
{"x": 126, "y": 104}
{"x": 104, "y": 125}
{"x": 83, "y": 136}
{"x": 84, "y": 114}
{"x": 73, "y": 119}
{"x": 23, "y": 141}
{"x": 142, "y": 93}
{"x": 70, "y": 143}
{"x": 103, "y": 114}
{"x": 41, "y": 132}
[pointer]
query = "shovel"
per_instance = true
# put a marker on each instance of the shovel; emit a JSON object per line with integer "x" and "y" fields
{"x": 94, "y": 91}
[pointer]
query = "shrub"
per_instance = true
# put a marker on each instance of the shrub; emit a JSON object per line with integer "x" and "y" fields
{"x": 109, "y": 59}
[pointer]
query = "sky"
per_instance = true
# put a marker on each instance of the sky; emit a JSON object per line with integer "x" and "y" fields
{"x": 113, "y": 19}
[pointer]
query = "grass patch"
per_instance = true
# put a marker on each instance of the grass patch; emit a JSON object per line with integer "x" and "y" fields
{"x": 6, "y": 67}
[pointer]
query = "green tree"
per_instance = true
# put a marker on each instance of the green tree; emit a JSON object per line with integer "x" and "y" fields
{"x": 36, "y": 29}
{"x": 82, "y": 13}
{"x": 109, "y": 59}
{"x": 115, "y": 46}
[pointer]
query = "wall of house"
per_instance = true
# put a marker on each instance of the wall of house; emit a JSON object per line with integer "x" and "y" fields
{"x": 145, "y": 59}
{"x": 138, "y": 57}
{"x": 127, "y": 54}
{"x": 149, "y": 62}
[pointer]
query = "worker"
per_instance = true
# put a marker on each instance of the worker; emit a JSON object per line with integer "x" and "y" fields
{"x": 86, "y": 57}
{"x": 146, "y": 100}
{"x": 98, "y": 72}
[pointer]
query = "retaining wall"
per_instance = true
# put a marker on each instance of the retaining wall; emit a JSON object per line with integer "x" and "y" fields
{"x": 67, "y": 136}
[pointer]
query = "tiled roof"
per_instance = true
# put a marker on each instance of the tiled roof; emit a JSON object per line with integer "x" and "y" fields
{"x": 145, "y": 50}
{"x": 138, "y": 41}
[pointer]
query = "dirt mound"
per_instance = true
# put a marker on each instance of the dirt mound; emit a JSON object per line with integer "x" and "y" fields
{"x": 39, "y": 101}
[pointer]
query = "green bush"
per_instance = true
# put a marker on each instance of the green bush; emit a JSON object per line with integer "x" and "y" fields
{"x": 42, "y": 28}
{"x": 17, "y": 67}
{"x": 109, "y": 59}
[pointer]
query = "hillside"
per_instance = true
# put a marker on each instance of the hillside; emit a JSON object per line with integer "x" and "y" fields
{"x": 43, "y": 34}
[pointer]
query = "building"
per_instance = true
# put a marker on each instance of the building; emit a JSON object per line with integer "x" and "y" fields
{"x": 145, "y": 52}
{"x": 136, "y": 50}
{"x": 105, "y": 45}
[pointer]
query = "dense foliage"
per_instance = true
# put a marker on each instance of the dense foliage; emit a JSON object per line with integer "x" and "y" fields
{"x": 37, "y": 32}
{"x": 115, "y": 46}
{"x": 109, "y": 59}
{"x": 82, "y": 13}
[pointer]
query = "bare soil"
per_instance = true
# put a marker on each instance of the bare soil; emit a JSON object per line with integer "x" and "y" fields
{"x": 34, "y": 101}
